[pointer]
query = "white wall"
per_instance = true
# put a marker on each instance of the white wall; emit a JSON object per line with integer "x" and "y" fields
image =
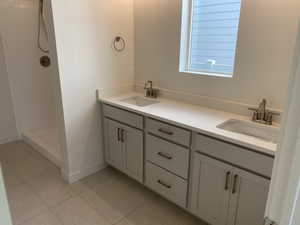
{"x": 8, "y": 130}
{"x": 84, "y": 30}
{"x": 31, "y": 85}
{"x": 286, "y": 172}
{"x": 267, "y": 36}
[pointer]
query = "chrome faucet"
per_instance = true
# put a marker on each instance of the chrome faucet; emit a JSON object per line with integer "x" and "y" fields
{"x": 261, "y": 111}
{"x": 262, "y": 114}
{"x": 150, "y": 91}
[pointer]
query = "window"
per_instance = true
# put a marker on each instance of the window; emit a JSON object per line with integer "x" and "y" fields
{"x": 209, "y": 36}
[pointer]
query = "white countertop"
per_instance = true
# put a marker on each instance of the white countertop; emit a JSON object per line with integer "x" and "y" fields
{"x": 195, "y": 118}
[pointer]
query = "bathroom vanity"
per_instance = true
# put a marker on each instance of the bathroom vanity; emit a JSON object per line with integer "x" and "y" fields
{"x": 178, "y": 151}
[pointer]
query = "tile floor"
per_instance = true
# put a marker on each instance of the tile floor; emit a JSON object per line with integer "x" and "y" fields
{"x": 38, "y": 195}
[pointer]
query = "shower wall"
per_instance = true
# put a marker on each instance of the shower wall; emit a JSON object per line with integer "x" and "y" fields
{"x": 31, "y": 85}
{"x": 84, "y": 31}
{"x": 8, "y": 130}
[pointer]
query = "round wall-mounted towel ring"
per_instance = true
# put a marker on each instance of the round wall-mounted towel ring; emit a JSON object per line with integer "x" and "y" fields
{"x": 119, "y": 44}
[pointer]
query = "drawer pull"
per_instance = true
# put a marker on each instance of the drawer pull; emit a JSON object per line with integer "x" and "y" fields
{"x": 227, "y": 180}
{"x": 122, "y": 135}
{"x": 165, "y": 131}
{"x": 119, "y": 134}
{"x": 234, "y": 189}
{"x": 164, "y": 184}
{"x": 165, "y": 155}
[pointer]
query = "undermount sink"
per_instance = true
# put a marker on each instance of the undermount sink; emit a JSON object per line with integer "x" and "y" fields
{"x": 139, "y": 101}
{"x": 260, "y": 131}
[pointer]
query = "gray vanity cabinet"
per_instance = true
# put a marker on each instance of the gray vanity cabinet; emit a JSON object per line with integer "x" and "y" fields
{"x": 248, "y": 202}
{"x": 225, "y": 195}
{"x": 133, "y": 153}
{"x": 219, "y": 182}
{"x": 124, "y": 148}
{"x": 210, "y": 189}
{"x": 113, "y": 145}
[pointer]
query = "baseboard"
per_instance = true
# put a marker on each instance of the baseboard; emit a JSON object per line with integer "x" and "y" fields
{"x": 76, "y": 176}
{"x": 42, "y": 149}
{"x": 10, "y": 139}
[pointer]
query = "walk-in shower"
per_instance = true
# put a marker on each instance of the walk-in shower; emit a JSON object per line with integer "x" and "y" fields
{"x": 33, "y": 87}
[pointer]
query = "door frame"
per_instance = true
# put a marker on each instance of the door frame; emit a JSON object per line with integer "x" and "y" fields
{"x": 283, "y": 205}
{"x": 4, "y": 206}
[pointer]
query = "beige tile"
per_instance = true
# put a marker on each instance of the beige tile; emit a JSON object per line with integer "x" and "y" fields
{"x": 32, "y": 167}
{"x": 76, "y": 211}
{"x": 46, "y": 218}
{"x": 100, "y": 177}
{"x": 102, "y": 207}
{"x": 91, "y": 181}
{"x": 79, "y": 187}
{"x": 107, "y": 197}
{"x": 25, "y": 161}
{"x": 122, "y": 194}
{"x": 15, "y": 152}
{"x": 124, "y": 222}
{"x": 11, "y": 176}
{"x": 160, "y": 212}
{"x": 51, "y": 187}
{"x": 24, "y": 203}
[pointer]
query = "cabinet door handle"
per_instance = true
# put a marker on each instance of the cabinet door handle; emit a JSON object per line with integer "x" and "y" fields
{"x": 165, "y": 131}
{"x": 122, "y": 135}
{"x": 234, "y": 189}
{"x": 119, "y": 134}
{"x": 164, "y": 184}
{"x": 165, "y": 155}
{"x": 227, "y": 180}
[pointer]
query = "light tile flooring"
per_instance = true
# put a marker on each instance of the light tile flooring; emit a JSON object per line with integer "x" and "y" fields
{"x": 38, "y": 195}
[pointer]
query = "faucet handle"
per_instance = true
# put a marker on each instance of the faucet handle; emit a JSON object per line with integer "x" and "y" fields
{"x": 264, "y": 102}
{"x": 274, "y": 113}
{"x": 269, "y": 118}
{"x": 255, "y": 115}
{"x": 148, "y": 84}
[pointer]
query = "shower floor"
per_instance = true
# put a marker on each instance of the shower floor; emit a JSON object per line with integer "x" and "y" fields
{"x": 46, "y": 142}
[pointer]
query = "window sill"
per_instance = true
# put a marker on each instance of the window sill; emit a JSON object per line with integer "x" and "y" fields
{"x": 207, "y": 74}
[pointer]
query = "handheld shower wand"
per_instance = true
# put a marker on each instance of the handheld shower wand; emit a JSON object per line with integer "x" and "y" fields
{"x": 45, "y": 60}
{"x": 42, "y": 24}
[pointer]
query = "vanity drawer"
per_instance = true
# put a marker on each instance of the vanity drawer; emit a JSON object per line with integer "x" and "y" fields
{"x": 239, "y": 156}
{"x": 170, "y": 132}
{"x": 123, "y": 116}
{"x": 166, "y": 184}
{"x": 168, "y": 155}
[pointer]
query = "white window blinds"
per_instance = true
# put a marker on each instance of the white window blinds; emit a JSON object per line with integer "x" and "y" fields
{"x": 214, "y": 32}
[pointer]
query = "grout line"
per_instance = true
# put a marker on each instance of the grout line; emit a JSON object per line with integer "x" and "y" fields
{"x": 42, "y": 201}
{"x": 94, "y": 208}
{"x": 95, "y": 192}
{"x": 25, "y": 182}
{"x": 74, "y": 194}
{"x": 32, "y": 217}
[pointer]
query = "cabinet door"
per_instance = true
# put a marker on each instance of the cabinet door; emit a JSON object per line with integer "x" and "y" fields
{"x": 211, "y": 184}
{"x": 248, "y": 199}
{"x": 113, "y": 146}
{"x": 133, "y": 150}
